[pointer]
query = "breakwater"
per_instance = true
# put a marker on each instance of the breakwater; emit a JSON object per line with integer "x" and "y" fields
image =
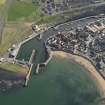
{"x": 40, "y": 67}
{"x": 28, "y": 76}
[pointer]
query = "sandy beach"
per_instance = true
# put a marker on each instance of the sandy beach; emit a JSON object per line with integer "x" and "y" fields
{"x": 84, "y": 62}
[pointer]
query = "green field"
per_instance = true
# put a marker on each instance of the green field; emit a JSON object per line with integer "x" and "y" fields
{"x": 20, "y": 9}
{"x": 20, "y": 17}
{"x": 26, "y": 11}
{"x": 12, "y": 34}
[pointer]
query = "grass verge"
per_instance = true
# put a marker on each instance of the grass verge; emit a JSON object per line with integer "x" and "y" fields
{"x": 14, "y": 68}
{"x": 2, "y": 2}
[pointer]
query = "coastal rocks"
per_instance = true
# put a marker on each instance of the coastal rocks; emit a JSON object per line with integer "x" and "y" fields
{"x": 8, "y": 84}
{"x": 10, "y": 80}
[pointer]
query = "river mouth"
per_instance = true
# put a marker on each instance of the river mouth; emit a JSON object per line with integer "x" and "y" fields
{"x": 10, "y": 81}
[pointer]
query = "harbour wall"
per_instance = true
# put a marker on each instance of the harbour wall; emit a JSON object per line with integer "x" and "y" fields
{"x": 40, "y": 67}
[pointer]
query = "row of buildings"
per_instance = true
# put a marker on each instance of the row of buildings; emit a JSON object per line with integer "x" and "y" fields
{"x": 87, "y": 41}
{"x": 52, "y": 6}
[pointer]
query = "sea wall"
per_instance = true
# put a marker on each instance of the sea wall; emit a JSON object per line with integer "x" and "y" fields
{"x": 92, "y": 62}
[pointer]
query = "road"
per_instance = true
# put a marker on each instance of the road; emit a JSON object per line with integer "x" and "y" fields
{"x": 91, "y": 6}
{"x": 65, "y": 27}
{"x": 3, "y": 16}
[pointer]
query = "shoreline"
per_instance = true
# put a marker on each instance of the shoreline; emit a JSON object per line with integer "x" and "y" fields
{"x": 100, "y": 82}
{"x": 21, "y": 74}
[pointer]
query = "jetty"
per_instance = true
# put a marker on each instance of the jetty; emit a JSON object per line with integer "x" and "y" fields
{"x": 30, "y": 69}
{"x": 32, "y": 56}
{"x": 28, "y": 76}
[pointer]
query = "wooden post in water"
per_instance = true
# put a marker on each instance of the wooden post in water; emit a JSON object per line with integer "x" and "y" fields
{"x": 37, "y": 69}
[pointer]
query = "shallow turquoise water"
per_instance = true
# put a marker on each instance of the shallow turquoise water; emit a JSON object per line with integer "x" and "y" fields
{"x": 62, "y": 83}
